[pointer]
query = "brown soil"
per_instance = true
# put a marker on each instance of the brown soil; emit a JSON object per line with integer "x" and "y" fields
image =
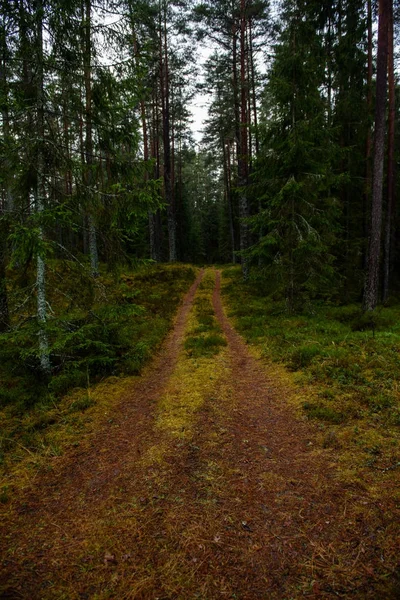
{"x": 245, "y": 507}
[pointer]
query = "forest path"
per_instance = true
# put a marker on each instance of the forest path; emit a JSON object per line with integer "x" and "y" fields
{"x": 205, "y": 485}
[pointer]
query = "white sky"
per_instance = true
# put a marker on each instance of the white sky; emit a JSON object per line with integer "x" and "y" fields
{"x": 199, "y": 104}
{"x": 199, "y": 112}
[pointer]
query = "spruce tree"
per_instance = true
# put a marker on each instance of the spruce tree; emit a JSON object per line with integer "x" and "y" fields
{"x": 293, "y": 171}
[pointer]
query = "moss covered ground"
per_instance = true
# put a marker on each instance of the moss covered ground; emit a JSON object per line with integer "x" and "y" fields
{"x": 344, "y": 367}
{"x": 205, "y": 477}
{"x": 102, "y": 333}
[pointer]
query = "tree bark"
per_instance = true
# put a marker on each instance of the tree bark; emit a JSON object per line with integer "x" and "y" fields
{"x": 87, "y": 72}
{"x": 164, "y": 81}
{"x": 155, "y": 149}
{"x": 228, "y": 195}
{"x": 40, "y": 195}
{"x": 230, "y": 198}
{"x": 374, "y": 250}
{"x": 391, "y": 200}
{"x": 253, "y": 90}
{"x": 368, "y": 142}
{"x": 151, "y": 219}
{"x": 4, "y": 312}
{"x": 243, "y": 157}
{"x": 235, "y": 86}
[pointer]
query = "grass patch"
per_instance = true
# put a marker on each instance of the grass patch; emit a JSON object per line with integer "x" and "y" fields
{"x": 345, "y": 365}
{"x": 348, "y": 355}
{"x": 207, "y": 345}
{"x": 195, "y": 376}
{"x": 204, "y": 338}
{"x": 102, "y": 330}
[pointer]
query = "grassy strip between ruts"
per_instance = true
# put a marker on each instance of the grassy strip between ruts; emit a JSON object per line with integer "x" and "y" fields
{"x": 33, "y": 433}
{"x": 343, "y": 368}
{"x": 195, "y": 376}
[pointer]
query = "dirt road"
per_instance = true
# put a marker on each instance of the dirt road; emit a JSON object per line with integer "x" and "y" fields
{"x": 206, "y": 485}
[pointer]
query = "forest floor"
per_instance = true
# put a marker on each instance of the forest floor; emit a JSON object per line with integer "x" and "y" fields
{"x": 205, "y": 483}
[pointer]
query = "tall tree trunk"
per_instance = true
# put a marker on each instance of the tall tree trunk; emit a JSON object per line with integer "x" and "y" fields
{"x": 27, "y": 78}
{"x": 7, "y": 206}
{"x": 374, "y": 249}
{"x": 164, "y": 81}
{"x": 156, "y": 157}
{"x": 253, "y": 90}
{"x": 67, "y": 143}
{"x": 40, "y": 194}
{"x": 329, "y": 66}
{"x": 87, "y": 73}
{"x": 243, "y": 157}
{"x": 146, "y": 153}
{"x": 230, "y": 198}
{"x": 235, "y": 85}
{"x": 390, "y": 164}
{"x": 249, "y": 103}
{"x": 151, "y": 216}
{"x": 368, "y": 141}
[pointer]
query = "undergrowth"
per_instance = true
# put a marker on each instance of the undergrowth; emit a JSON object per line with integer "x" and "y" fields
{"x": 347, "y": 364}
{"x": 98, "y": 328}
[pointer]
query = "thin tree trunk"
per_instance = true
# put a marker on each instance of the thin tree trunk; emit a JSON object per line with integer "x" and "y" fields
{"x": 374, "y": 250}
{"x": 150, "y": 214}
{"x": 40, "y": 195}
{"x": 249, "y": 103}
{"x": 4, "y": 312}
{"x": 243, "y": 157}
{"x": 152, "y": 229}
{"x": 230, "y": 198}
{"x": 156, "y": 157}
{"x": 368, "y": 142}
{"x": 329, "y": 67}
{"x": 27, "y": 78}
{"x": 235, "y": 84}
{"x": 66, "y": 127}
{"x": 253, "y": 90}
{"x": 164, "y": 80}
{"x": 390, "y": 165}
{"x": 157, "y": 170}
{"x": 87, "y": 71}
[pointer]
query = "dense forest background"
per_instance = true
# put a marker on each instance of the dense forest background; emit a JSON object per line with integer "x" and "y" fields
{"x": 294, "y": 176}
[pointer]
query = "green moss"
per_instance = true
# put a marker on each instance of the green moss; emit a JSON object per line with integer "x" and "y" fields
{"x": 208, "y": 345}
{"x": 303, "y": 356}
{"x": 324, "y": 413}
{"x": 349, "y": 355}
{"x": 98, "y": 328}
{"x": 204, "y": 336}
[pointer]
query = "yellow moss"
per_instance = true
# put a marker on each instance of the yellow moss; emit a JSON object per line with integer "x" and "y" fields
{"x": 71, "y": 429}
{"x": 364, "y": 448}
{"x": 186, "y": 393}
{"x": 192, "y": 383}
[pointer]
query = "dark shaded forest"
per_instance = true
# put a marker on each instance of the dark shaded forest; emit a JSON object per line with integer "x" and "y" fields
{"x": 294, "y": 177}
{"x": 199, "y": 336}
